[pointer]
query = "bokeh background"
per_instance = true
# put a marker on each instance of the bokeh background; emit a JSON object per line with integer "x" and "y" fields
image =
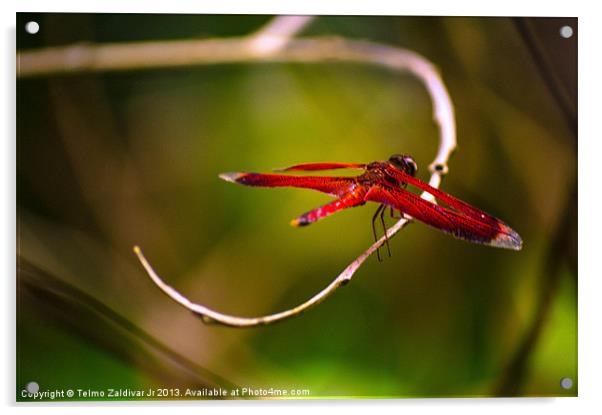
{"x": 109, "y": 160}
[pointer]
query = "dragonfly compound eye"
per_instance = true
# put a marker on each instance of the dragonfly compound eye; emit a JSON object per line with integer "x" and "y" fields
{"x": 410, "y": 165}
{"x": 405, "y": 163}
{"x": 397, "y": 160}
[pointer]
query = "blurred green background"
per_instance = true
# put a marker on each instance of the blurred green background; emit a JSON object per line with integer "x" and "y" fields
{"x": 109, "y": 160}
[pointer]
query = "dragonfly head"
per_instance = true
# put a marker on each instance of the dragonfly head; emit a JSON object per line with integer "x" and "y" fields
{"x": 404, "y": 163}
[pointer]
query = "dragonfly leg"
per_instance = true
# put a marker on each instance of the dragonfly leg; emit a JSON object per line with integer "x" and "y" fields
{"x": 392, "y": 212}
{"x": 382, "y": 221}
{"x": 378, "y": 211}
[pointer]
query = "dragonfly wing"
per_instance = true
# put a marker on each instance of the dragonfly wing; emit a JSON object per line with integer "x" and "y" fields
{"x": 322, "y": 166}
{"x": 490, "y": 231}
{"x": 449, "y": 200}
{"x": 336, "y": 186}
{"x": 352, "y": 199}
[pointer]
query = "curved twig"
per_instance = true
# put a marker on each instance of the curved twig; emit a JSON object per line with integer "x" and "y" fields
{"x": 113, "y": 57}
{"x": 211, "y": 316}
{"x": 393, "y": 58}
{"x": 318, "y": 50}
{"x": 147, "y": 55}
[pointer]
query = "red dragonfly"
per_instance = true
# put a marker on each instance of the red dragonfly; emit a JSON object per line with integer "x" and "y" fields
{"x": 384, "y": 182}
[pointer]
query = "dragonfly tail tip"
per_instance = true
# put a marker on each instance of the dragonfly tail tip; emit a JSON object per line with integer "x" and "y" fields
{"x": 230, "y": 177}
{"x": 298, "y": 222}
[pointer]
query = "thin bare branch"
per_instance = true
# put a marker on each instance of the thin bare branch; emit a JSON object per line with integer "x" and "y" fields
{"x": 151, "y": 55}
{"x": 114, "y": 57}
{"x": 397, "y": 59}
{"x": 209, "y": 315}
{"x": 443, "y": 115}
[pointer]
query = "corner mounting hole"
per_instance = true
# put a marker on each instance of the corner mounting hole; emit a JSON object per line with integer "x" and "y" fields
{"x": 32, "y": 27}
{"x": 566, "y": 383}
{"x": 32, "y": 387}
{"x": 566, "y": 32}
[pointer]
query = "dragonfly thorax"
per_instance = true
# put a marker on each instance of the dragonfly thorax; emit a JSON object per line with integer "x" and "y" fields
{"x": 388, "y": 171}
{"x": 379, "y": 171}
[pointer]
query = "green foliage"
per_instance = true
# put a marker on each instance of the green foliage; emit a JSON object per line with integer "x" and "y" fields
{"x": 106, "y": 161}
